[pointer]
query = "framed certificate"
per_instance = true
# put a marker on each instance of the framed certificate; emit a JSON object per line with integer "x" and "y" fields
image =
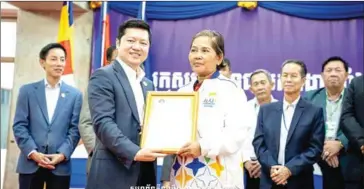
{"x": 170, "y": 120}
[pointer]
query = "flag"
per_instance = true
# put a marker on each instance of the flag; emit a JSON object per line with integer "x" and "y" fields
{"x": 65, "y": 37}
{"x": 102, "y": 38}
{"x": 147, "y": 62}
{"x": 105, "y": 32}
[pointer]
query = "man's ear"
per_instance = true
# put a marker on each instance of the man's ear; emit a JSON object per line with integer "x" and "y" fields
{"x": 220, "y": 59}
{"x": 250, "y": 89}
{"x": 272, "y": 84}
{"x": 117, "y": 42}
{"x": 42, "y": 62}
{"x": 304, "y": 81}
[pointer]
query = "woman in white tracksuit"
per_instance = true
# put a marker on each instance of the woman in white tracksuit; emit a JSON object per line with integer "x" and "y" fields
{"x": 214, "y": 160}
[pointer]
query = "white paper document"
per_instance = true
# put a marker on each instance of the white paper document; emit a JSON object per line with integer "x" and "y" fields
{"x": 170, "y": 123}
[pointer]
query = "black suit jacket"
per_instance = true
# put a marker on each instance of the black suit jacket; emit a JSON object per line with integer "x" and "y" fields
{"x": 352, "y": 120}
{"x": 117, "y": 126}
{"x": 304, "y": 145}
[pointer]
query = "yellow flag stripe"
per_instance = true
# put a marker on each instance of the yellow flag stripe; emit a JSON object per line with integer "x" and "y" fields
{"x": 65, "y": 33}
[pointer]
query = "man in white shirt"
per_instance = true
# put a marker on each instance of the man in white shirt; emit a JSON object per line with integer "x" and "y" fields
{"x": 289, "y": 137}
{"x": 261, "y": 86}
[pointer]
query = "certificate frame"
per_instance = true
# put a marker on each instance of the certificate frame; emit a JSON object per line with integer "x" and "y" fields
{"x": 193, "y": 111}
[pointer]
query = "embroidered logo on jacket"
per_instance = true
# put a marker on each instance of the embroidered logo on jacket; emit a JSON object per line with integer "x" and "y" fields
{"x": 210, "y": 101}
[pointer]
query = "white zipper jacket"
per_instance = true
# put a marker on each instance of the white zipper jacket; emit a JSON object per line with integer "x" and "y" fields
{"x": 223, "y": 120}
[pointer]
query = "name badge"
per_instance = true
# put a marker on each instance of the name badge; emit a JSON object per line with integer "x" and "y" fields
{"x": 331, "y": 130}
{"x": 210, "y": 100}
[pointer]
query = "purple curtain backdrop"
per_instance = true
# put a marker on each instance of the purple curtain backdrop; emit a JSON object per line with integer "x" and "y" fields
{"x": 253, "y": 40}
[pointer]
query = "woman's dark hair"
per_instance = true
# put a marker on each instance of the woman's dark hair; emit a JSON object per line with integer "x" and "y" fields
{"x": 225, "y": 64}
{"x": 217, "y": 42}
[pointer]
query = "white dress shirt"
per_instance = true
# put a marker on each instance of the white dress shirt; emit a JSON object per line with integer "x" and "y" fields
{"x": 248, "y": 148}
{"x": 135, "y": 79}
{"x": 288, "y": 111}
{"x": 52, "y": 94}
{"x": 333, "y": 112}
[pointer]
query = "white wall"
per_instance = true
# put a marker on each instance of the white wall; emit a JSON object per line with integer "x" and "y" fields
{"x": 8, "y": 38}
{"x": 8, "y": 44}
{"x": 3, "y": 157}
{"x": 7, "y": 75}
{"x": 5, "y": 5}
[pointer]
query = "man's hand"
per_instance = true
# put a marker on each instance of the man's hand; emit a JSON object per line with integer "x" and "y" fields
{"x": 331, "y": 148}
{"x": 362, "y": 149}
{"x": 55, "y": 158}
{"x": 253, "y": 168}
{"x": 42, "y": 160}
{"x": 280, "y": 174}
{"x": 148, "y": 155}
{"x": 333, "y": 161}
{"x": 190, "y": 149}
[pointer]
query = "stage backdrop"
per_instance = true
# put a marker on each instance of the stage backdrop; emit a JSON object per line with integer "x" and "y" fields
{"x": 253, "y": 39}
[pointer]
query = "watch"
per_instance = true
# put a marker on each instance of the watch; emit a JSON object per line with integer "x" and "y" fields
{"x": 341, "y": 144}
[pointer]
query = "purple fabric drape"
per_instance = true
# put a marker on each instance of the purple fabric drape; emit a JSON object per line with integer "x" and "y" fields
{"x": 253, "y": 40}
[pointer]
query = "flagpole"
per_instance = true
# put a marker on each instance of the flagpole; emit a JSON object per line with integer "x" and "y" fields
{"x": 68, "y": 6}
{"x": 144, "y": 3}
{"x": 104, "y": 13}
{"x": 143, "y": 16}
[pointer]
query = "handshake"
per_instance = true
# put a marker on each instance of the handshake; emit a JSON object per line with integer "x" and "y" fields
{"x": 190, "y": 149}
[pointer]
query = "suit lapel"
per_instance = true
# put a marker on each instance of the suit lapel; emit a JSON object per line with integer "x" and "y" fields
{"x": 62, "y": 98}
{"x": 322, "y": 99}
{"x": 277, "y": 127}
{"x": 41, "y": 98}
{"x": 124, "y": 81}
{"x": 144, "y": 85}
{"x": 296, "y": 117}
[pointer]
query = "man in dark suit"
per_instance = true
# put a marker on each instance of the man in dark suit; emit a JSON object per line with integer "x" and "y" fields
{"x": 290, "y": 135}
{"x": 352, "y": 125}
{"x": 116, "y": 96}
{"x": 336, "y": 165}
{"x": 45, "y": 125}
